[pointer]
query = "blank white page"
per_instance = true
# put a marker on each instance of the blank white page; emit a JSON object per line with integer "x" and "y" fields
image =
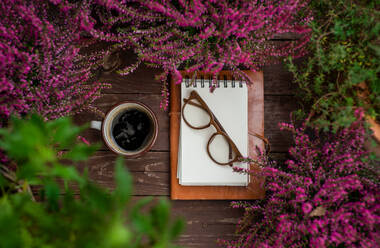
{"x": 230, "y": 106}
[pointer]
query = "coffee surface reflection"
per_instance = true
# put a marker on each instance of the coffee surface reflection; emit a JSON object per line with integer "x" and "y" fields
{"x": 132, "y": 129}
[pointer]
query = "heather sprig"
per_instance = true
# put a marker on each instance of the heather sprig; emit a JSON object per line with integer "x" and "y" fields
{"x": 41, "y": 69}
{"x": 205, "y": 35}
{"x": 319, "y": 200}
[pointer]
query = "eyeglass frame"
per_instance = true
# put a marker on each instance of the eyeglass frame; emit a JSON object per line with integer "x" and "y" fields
{"x": 214, "y": 122}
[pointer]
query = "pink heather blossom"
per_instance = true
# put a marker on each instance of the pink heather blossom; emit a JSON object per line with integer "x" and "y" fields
{"x": 41, "y": 69}
{"x": 320, "y": 200}
{"x": 206, "y": 35}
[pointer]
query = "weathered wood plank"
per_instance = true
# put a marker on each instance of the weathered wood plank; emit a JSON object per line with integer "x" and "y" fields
{"x": 144, "y": 183}
{"x": 278, "y": 80}
{"x": 140, "y": 81}
{"x": 208, "y": 238}
{"x": 103, "y": 161}
{"x": 206, "y": 221}
{"x": 150, "y": 172}
{"x": 276, "y": 109}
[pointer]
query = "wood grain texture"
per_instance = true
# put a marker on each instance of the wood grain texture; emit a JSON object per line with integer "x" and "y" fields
{"x": 150, "y": 162}
{"x": 144, "y": 183}
{"x": 278, "y": 109}
{"x": 206, "y": 220}
{"x": 150, "y": 172}
{"x": 278, "y": 80}
{"x": 103, "y": 161}
{"x": 140, "y": 81}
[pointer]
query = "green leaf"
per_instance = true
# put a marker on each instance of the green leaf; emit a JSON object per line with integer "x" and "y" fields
{"x": 349, "y": 101}
{"x": 3, "y": 182}
{"x": 64, "y": 133}
{"x": 119, "y": 235}
{"x": 80, "y": 152}
{"x": 160, "y": 213}
{"x": 177, "y": 229}
{"x": 68, "y": 173}
{"x": 141, "y": 222}
{"x": 123, "y": 181}
{"x": 52, "y": 193}
{"x": 9, "y": 225}
{"x": 95, "y": 219}
{"x": 30, "y": 172}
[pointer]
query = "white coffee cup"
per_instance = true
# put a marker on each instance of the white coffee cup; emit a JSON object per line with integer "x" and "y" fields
{"x": 111, "y": 118}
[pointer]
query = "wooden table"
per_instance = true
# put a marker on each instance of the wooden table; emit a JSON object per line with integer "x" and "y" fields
{"x": 206, "y": 220}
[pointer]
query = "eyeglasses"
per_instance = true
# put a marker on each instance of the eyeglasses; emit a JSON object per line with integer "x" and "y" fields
{"x": 195, "y": 101}
{"x": 199, "y": 105}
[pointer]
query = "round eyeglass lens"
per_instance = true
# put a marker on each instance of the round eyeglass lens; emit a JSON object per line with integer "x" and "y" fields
{"x": 195, "y": 115}
{"x": 220, "y": 150}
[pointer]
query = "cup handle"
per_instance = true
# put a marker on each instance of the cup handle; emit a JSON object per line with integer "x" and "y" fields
{"x": 96, "y": 125}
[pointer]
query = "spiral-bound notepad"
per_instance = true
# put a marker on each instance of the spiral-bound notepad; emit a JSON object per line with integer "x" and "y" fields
{"x": 229, "y": 103}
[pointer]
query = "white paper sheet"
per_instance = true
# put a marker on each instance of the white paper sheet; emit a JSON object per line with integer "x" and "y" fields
{"x": 229, "y": 105}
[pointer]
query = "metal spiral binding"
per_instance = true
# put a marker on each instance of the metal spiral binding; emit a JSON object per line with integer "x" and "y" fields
{"x": 202, "y": 80}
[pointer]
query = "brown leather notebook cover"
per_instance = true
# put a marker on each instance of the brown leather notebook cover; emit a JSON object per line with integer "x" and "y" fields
{"x": 255, "y": 125}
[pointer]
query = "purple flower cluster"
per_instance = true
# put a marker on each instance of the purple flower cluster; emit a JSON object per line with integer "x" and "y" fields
{"x": 41, "y": 69}
{"x": 207, "y": 35}
{"x": 319, "y": 200}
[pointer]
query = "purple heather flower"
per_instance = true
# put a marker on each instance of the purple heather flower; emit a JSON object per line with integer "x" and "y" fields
{"x": 320, "y": 200}
{"x": 208, "y": 35}
{"x": 306, "y": 208}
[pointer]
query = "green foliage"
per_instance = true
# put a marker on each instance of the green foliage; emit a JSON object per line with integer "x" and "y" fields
{"x": 344, "y": 58}
{"x": 95, "y": 218}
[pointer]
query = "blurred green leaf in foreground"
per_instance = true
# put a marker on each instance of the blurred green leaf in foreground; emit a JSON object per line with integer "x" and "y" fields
{"x": 94, "y": 218}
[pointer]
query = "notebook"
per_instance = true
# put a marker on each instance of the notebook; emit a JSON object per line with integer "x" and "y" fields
{"x": 229, "y": 103}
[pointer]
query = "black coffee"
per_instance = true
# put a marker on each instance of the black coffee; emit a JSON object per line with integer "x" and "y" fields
{"x": 132, "y": 129}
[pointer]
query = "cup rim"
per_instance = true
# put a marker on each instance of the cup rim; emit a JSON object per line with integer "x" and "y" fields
{"x": 155, "y": 129}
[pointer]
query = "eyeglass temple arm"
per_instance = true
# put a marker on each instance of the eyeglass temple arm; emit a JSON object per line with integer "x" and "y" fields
{"x": 266, "y": 141}
{"x": 216, "y": 120}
